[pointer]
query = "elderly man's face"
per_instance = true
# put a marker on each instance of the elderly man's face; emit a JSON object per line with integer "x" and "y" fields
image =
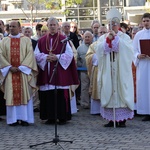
{"x": 88, "y": 38}
{"x": 95, "y": 28}
{"x": 113, "y": 26}
{"x": 66, "y": 28}
{"x": 102, "y": 30}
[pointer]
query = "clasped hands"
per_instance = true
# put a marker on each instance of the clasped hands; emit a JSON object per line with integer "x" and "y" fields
{"x": 14, "y": 69}
{"x": 111, "y": 34}
{"x": 142, "y": 56}
{"x": 51, "y": 58}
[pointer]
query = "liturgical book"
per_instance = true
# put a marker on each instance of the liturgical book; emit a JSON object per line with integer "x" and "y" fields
{"x": 145, "y": 46}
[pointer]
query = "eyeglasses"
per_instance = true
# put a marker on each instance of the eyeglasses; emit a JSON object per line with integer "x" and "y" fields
{"x": 115, "y": 24}
{"x": 12, "y": 26}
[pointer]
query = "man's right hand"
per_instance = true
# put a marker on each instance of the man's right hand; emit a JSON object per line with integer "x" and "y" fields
{"x": 111, "y": 34}
{"x": 141, "y": 56}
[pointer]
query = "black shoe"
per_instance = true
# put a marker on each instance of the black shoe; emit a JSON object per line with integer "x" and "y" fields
{"x": 36, "y": 110}
{"x": 85, "y": 107}
{"x": 1, "y": 119}
{"x": 62, "y": 122}
{"x": 110, "y": 124}
{"x": 24, "y": 123}
{"x": 50, "y": 121}
{"x": 146, "y": 118}
{"x": 14, "y": 124}
{"x": 122, "y": 124}
{"x": 78, "y": 102}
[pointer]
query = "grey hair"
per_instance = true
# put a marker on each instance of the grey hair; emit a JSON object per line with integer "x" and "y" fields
{"x": 88, "y": 32}
{"x": 116, "y": 20}
{"x": 135, "y": 29}
{"x": 26, "y": 28}
{"x": 95, "y": 21}
{"x": 103, "y": 27}
{"x": 52, "y": 19}
{"x": 64, "y": 23}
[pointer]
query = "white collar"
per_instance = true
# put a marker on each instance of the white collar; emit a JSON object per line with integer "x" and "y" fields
{"x": 15, "y": 36}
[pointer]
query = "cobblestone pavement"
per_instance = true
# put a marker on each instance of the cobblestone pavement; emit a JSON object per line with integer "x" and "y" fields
{"x": 85, "y": 130}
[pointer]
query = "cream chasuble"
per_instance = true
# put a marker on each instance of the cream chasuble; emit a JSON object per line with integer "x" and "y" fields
{"x": 117, "y": 91}
{"x": 18, "y": 87}
{"x": 92, "y": 71}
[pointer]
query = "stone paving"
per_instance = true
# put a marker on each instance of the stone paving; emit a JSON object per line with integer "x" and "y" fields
{"x": 85, "y": 130}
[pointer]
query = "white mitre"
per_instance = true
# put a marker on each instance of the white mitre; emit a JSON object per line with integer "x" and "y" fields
{"x": 113, "y": 15}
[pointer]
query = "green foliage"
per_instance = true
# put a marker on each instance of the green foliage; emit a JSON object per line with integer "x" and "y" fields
{"x": 147, "y": 6}
{"x": 72, "y": 2}
{"x": 55, "y": 4}
{"x": 32, "y": 1}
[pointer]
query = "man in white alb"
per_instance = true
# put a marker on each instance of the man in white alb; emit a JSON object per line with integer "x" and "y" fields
{"x": 142, "y": 63}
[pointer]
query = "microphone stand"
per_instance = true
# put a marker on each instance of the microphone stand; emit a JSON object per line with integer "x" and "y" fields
{"x": 56, "y": 139}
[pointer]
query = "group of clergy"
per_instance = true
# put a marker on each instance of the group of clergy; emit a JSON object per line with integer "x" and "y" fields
{"x": 106, "y": 75}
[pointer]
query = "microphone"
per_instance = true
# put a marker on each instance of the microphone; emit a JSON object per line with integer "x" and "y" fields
{"x": 65, "y": 40}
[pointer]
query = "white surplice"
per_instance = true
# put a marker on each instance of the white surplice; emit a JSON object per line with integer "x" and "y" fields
{"x": 95, "y": 107}
{"x": 64, "y": 60}
{"x": 142, "y": 74}
{"x": 73, "y": 105}
{"x": 42, "y": 60}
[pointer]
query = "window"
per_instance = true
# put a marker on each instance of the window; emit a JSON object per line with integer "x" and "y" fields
{"x": 17, "y": 6}
{"x": 4, "y": 7}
